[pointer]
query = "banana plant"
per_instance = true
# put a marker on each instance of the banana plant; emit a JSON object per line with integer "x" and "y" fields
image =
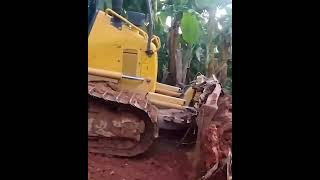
{"x": 181, "y": 36}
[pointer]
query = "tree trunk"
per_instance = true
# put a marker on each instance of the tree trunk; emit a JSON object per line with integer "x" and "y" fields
{"x": 179, "y": 75}
{"x": 165, "y": 73}
{"x": 187, "y": 62}
{"x": 224, "y": 62}
{"x": 213, "y": 64}
{"x": 173, "y": 44}
{"x": 210, "y": 59}
{"x": 224, "y": 50}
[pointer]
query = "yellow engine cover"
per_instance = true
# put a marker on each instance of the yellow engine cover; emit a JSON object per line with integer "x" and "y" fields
{"x": 123, "y": 51}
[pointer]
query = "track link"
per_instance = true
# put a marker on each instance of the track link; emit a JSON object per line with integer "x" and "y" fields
{"x": 120, "y": 123}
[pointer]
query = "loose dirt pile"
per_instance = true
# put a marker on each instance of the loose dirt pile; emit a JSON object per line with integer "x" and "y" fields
{"x": 216, "y": 143}
{"x": 213, "y": 151}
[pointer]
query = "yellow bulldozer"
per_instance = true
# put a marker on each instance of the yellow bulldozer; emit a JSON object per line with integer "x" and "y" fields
{"x": 126, "y": 104}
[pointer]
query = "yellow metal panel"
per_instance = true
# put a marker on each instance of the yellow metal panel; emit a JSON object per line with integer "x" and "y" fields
{"x": 101, "y": 78}
{"x": 133, "y": 51}
{"x": 109, "y": 49}
{"x": 105, "y": 51}
{"x": 164, "y": 98}
{"x": 130, "y": 63}
{"x": 167, "y": 87}
{"x": 162, "y": 104}
{"x": 144, "y": 70}
{"x": 166, "y": 92}
{"x": 188, "y": 95}
{"x": 104, "y": 73}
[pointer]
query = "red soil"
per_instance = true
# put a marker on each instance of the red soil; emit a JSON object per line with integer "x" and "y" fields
{"x": 162, "y": 162}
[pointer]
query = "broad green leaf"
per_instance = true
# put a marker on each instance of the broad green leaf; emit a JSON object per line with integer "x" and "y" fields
{"x": 159, "y": 25}
{"x": 163, "y": 16}
{"x": 190, "y": 28}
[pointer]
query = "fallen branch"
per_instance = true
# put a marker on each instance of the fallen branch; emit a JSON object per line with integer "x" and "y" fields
{"x": 184, "y": 137}
{"x": 214, "y": 168}
{"x": 210, "y": 172}
{"x": 229, "y": 166}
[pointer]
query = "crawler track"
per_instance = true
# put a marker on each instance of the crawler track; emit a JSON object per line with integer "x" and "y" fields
{"x": 120, "y": 123}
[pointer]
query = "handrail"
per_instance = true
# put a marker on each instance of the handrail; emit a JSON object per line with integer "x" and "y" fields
{"x": 155, "y": 39}
{"x": 144, "y": 34}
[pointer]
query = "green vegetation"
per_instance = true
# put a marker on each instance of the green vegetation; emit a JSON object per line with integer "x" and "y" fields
{"x": 196, "y": 37}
